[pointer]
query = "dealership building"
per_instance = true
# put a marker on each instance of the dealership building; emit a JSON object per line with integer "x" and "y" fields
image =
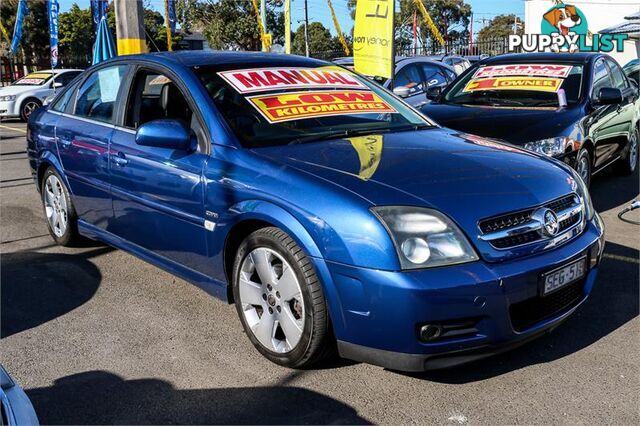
{"x": 602, "y": 16}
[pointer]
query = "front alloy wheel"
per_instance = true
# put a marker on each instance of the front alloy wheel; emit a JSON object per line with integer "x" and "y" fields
{"x": 628, "y": 164}
{"x": 279, "y": 299}
{"x": 28, "y": 107}
{"x": 583, "y": 166}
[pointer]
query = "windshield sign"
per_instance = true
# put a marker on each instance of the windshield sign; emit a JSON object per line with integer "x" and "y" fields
{"x": 519, "y": 86}
{"x": 257, "y": 80}
{"x": 34, "y": 79}
{"x": 304, "y": 104}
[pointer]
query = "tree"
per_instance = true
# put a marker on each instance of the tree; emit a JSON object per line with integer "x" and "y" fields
{"x": 76, "y": 33}
{"x": 320, "y": 40}
{"x": 500, "y": 27}
{"x": 35, "y": 30}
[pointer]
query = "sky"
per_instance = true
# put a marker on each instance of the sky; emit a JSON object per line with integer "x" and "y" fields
{"x": 483, "y": 10}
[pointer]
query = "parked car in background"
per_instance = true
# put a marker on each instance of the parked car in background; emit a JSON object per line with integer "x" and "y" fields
{"x": 632, "y": 70}
{"x": 473, "y": 59}
{"x": 414, "y": 77}
{"x": 15, "y": 406}
{"x": 458, "y": 63}
{"x": 329, "y": 212}
{"x": 22, "y": 97}
{"x": 580, "y": 108}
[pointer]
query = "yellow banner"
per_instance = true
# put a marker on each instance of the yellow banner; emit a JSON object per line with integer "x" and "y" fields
{"x": 536, "y": 84}
{"x": 311, "y": 104}
{"x": 373, "y": 38}
{"x": 287, "y": 26}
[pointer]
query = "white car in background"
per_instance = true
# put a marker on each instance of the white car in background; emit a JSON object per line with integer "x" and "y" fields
{"x": 27, "y": 94}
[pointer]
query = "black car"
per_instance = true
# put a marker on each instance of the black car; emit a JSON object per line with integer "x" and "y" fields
{"x": 578, "y": 107}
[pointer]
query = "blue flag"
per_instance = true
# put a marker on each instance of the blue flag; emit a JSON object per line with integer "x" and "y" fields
{"x": 98, "y": 10}
{"x": 54, "y": 7}
{"x": 23, "y": 10}
{"x": 172, "y": 15}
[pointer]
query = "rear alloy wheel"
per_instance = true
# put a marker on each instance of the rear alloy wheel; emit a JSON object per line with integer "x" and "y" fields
{"x": 58, "y": 209}
{"x": 279, "y": 299}
{"x": 28, "y": 107}
{"x": 628, "y": 164}
{"x": 583, "y": 166}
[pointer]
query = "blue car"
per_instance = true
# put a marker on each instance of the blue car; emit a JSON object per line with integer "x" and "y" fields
{"x": 330, "y": 212}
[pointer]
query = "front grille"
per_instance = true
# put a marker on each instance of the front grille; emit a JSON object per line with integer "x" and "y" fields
{"x": 531, "y": 311}
{"x": 512, "y": 220}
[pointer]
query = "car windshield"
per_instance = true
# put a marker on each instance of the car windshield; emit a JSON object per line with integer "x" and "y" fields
{"x": 519, "y": 85}
{"x": 34, "y": 79}
{"x": 286, "y": 105}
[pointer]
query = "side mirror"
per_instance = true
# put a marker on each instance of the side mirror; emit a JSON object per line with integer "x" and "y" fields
{"x": 434, "y": 92}
{"x": 608, "y": 96}
{"x": 401, "y": 91}
{"x": 165, "y": 133}
{"x": 57, "y": 85}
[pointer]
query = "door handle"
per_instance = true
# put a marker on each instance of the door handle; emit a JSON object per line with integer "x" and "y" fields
{"x": 65, "y": 143}
{"x": 120, "y": 160}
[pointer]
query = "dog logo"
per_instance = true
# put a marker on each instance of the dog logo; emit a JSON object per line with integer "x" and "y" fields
{"x": 565, "y": 20}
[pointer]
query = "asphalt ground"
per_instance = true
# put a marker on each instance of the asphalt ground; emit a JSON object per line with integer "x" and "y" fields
{"x": 95, "y": 335}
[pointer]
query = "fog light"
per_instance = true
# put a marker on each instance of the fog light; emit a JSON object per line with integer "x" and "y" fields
{"x": 430, "y": 332}
{"x": 416, "y": 250}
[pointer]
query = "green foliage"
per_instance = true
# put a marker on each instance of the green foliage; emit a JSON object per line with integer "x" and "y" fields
{"x": 500, "y": 27}
{"x": 320, "y": 40}
{"x": 35, "y": 30}
{"x": 76, "y": 33}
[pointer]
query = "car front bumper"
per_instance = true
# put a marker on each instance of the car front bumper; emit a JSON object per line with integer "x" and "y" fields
{"x": 8, "y": 109}
{"x": 487, "y": 308}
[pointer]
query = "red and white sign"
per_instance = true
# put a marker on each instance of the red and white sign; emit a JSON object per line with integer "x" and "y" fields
{"x": 533, "y": 70}
{"x": 263, "y": 79}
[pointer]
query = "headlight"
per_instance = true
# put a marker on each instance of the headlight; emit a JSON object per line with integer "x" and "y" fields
{"x": 583, "y": 193}
{"x": 424, "y": 238}
{"x": 550, "y": 147}
{"x": 7, "y": 98}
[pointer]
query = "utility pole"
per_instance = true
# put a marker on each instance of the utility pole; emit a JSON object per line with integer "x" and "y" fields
{"x": 471, "y": 35}
{"x": 130, "y": 27}
{"x": 306, "y": 29}
{"x": 167, "y": 25}
{"x": 263, "y": 18}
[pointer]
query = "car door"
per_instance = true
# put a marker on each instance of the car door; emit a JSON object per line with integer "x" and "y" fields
{"x": 621, "y": 123}
{"x": 158, "y": 193}
{"x": 82, "y": 138}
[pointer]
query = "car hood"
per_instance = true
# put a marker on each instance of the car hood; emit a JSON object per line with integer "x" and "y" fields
{"x": 514, "y": 125}
{"x": 464, "y": 176}
{"x": 17, "y": 90}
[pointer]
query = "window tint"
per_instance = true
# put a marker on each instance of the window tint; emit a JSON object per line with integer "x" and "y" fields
{"x": 63, "y": 101}
{"x": 600, "y": 76}
{"x": 410, "y": 78}
{"x": 619, "y": 81}
{"x": 450, "y": 74}
{"x": 65, "y": 78}
{"x": 97, "y": 95}
{"x": 433, "y": 75}
{"x": 155, "y": 96}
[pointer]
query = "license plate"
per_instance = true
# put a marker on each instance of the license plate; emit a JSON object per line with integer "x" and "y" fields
{"x": 563, "y": 276}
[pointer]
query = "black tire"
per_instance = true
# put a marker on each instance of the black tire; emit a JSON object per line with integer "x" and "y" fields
{"x": 28, "y": 106}
{"x": 70, "y": 236}
{"x": 583, "y": 159}
{"x": 627, "y": 164}
{"x": 316, "y": 341}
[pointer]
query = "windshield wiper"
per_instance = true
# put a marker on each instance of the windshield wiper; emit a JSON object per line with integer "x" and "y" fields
{"x": 347, "y": 133}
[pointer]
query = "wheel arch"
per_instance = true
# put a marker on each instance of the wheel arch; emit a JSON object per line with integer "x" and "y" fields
{"x": 24, "y": 100}
{"x": 48, "y": 159}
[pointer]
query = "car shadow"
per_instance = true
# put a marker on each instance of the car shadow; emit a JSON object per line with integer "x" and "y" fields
{"x": 38, "y": 287}
{"x": 613, "y": 302}
{"x": 608, "y": 193}
{"x": 100, "y": 397}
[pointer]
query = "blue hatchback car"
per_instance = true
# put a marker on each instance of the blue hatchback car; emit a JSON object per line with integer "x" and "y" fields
{"x": 329, "y": 211}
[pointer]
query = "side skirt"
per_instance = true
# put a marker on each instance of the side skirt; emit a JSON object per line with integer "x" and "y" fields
{"x": 213, "y": 287}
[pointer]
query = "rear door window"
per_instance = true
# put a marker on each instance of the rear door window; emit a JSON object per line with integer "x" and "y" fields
{"x": 97, "y": 97}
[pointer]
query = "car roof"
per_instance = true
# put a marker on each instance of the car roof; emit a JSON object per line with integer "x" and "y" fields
{"x": 58, "y": 71}
{"x": 575, "y": 58}
{"x": 192, "y": 58}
